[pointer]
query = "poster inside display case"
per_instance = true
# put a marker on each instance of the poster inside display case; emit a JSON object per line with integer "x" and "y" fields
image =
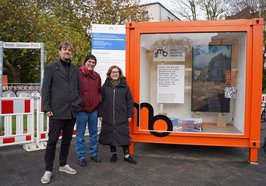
{"x": 209, "y": 64}
{"x": 195, "y": 81}
{"x": 169, "y": 79}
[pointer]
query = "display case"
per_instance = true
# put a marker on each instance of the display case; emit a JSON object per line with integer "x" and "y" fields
{"x": 196, "y": 82}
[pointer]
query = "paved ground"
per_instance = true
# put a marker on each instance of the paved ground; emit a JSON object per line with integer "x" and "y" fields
{"x": 157, "y": 165}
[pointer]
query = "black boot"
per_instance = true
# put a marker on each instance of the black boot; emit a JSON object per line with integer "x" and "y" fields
{"x": 130, "y": 160}
{"x": 114, "y": 158}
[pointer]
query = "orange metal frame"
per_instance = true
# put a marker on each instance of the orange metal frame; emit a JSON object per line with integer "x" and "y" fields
{"x": 254, "y": 30}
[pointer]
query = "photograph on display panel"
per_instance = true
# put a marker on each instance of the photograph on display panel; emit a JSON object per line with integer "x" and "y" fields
{"x": 209, "y": 66}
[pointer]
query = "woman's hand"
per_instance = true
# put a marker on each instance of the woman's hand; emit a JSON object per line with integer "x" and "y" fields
{"x": 129, "y": 119}
{"x": 101, "y": 119}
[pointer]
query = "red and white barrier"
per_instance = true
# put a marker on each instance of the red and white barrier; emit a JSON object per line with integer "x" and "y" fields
{"x": 17, "y": 110}
{"x": 15, "y": 113}
{"x": 15, "y": 106}
{"x": 42, "y": 121}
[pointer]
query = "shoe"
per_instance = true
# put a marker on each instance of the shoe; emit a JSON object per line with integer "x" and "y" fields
{"x": 46, "y": 177}
{"x": 96, "y": 159}
{"x": 114, "y": 158}
{"x": 83, "y": 163}
{"x": 130, "y": 160}
{"x": 67, "y": 169}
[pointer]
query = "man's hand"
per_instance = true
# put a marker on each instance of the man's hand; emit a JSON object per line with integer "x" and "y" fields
{"x": 49, "y": 114}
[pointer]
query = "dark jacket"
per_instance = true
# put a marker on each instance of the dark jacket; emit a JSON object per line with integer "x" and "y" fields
{"x": 90, "y": 90}
{"x": 117, "y": 106}
{"x": 60, "y": 93}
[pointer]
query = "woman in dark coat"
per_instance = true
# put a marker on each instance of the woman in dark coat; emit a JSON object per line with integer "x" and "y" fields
{"x": 115, "y": 112}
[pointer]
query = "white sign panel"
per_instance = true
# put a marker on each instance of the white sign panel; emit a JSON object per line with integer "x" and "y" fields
{"x": 21, "y": 45}
{"x": 108, "y": 45}
{"x": 169, "y": 53}
{"x": 170, "y": 83}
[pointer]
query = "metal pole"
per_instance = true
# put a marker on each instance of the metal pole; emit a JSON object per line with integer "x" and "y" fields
{"x": 42, "y": 62}
{"x": 1, "y": 74}
{"x": 1, "y": 67}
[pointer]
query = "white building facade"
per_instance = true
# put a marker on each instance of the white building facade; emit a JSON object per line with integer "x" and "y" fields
{"x": 156, "y": 12}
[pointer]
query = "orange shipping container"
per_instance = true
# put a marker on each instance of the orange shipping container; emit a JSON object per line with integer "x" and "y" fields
{"x": 196, "y": 82}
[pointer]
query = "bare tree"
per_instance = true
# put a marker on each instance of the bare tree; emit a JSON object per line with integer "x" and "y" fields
{"x": 194, "y": 9}
{"x": 256, "y": 8}
{"x": 234, "y": 7}
{"x": 214, "y": 9}
{"x": 188, "y": 9}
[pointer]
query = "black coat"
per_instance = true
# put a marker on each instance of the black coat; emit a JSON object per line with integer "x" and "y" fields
{"x": 117, "y": 106}
{"x": 60, "y": 93}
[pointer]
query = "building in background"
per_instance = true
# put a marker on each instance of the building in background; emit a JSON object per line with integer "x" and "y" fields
{"x": 156, "y": 12}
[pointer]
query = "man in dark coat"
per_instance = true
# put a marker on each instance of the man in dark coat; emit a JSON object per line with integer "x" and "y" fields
{"x": 61, "y": 102}
{"x": 115, "y": 112}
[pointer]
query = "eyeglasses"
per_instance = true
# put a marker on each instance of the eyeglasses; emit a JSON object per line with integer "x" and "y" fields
{"x": 115, "y": 72}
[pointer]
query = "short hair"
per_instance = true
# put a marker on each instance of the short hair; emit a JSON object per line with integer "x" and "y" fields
{"x": 110, "y": 70}
{"x": 66, "y": 44}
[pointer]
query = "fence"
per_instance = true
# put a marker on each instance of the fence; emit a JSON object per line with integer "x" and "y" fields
{"x": 17, "y": 110}
{"x": 24, "y": 122}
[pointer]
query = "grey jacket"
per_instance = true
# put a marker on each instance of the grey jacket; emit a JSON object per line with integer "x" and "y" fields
{"x": 60, "y": 94}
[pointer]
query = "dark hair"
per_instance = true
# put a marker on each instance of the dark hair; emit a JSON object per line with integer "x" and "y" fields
{"x": 110, "y": 70}
{"x": 90, "y": 56}
{"x": 66, "y": 44}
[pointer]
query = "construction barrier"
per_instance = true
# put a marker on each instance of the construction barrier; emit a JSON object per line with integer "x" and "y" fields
{"x": 16, "y": 110}
{"x": 41, "y": 120}
{"x": 42, "y": 127}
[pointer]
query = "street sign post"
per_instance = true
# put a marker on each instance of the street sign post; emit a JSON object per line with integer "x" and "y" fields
{"x": 17, "y": 45}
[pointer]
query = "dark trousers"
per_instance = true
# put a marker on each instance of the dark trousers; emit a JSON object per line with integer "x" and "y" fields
{"x": 55, "y": 128}
{"x": 125, "y": 149}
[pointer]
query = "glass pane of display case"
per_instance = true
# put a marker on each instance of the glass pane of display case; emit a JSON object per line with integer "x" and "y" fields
{"x": 195, "y": 80}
